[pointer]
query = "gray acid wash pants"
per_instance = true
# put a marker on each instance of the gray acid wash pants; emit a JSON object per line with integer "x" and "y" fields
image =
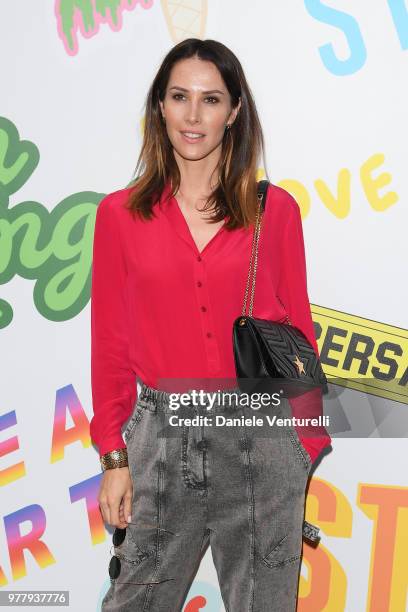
{"x": 239, "y": 489}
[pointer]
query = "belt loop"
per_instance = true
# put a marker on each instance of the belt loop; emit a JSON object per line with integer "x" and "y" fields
{"x": 148, "y": 395}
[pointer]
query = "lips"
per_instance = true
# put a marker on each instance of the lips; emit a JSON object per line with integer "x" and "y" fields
{"x": 192, "y": 137}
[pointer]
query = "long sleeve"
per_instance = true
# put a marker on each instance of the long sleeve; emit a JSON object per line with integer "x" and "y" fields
{"x": 292, "y": 286}
{"x": 113, "y": 382}
{"x": 292, "y": 290}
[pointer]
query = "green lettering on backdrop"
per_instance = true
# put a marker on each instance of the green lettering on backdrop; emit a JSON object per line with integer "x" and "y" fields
{"x": 54, "y": 248}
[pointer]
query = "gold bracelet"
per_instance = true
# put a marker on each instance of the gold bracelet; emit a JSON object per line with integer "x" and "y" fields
{"x": 114, "y": 459}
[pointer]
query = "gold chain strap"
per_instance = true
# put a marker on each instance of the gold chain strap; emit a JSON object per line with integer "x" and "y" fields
{"x": 254, "y": 260}
{"x": 254, "y": 255}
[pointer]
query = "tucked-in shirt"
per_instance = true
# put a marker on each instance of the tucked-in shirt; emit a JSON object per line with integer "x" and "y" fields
{"x": 162, "y": 310}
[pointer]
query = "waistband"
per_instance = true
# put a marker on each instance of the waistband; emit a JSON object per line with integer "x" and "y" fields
{"x": 192, "y": 400}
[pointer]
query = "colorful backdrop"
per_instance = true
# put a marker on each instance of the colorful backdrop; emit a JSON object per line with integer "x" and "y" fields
{"x": 329, "y": 79}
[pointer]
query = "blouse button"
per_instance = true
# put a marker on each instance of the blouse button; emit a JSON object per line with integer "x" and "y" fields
{"x": 203, "y": 308}
{"x": 199, "y": 258}
{"x": 209, "y": 334}
{"x": 199, "y": 283}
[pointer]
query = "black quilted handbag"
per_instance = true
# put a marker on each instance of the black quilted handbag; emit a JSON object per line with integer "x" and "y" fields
{"x": 271, "y": 352}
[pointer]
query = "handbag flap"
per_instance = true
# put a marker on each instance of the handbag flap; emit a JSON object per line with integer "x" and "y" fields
{"x": 289, "y": 351}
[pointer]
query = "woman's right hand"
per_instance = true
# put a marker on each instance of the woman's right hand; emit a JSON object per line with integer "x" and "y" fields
{"x": 115, "y": 497}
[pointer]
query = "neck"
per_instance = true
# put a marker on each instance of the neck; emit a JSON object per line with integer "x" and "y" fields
{"x": 198, "y": 178}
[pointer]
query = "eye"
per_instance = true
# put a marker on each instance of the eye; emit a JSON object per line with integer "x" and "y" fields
{"x": 214, "y": 100}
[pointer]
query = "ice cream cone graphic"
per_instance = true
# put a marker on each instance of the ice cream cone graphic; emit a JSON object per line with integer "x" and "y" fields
{"x": 185, "y": 18}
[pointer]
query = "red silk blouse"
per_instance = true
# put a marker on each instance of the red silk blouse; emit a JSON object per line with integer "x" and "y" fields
{"x": 160, "y": 309}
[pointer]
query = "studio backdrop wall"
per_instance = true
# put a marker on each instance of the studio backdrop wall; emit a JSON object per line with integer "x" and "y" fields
{"x": 329, "y": 80}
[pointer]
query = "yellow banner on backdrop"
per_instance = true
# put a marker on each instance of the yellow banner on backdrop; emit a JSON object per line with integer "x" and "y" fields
{"x": 362, "y": 354}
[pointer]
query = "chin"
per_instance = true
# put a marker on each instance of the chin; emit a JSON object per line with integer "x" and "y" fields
{"x": 186, "y": 153}
{"x": 196, "y": 157}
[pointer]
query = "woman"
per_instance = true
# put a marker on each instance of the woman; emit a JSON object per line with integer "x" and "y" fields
{"x": 170, "y": 263}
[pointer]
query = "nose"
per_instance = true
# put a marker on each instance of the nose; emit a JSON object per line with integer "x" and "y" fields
{"x": 193, "y": 112}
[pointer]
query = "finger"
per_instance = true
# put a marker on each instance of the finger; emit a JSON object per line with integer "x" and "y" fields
{"x": 117, "y": 520}
{"x": 127, "y": 506}
{"x": 105, "y": 512}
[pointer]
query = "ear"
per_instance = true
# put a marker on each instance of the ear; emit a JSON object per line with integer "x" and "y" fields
{"x": 234, "y": 113}
{"x": 161, "y": 108}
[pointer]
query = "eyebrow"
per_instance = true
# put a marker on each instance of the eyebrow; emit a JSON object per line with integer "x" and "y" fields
{"x": 204, "y": 92}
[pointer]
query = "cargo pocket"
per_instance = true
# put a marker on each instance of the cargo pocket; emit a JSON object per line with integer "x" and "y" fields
{"x": 126, "y": 548}
{"x": 288, "y": 549}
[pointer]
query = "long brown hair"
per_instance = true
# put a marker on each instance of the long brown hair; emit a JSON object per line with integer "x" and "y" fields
{"x": 236, "y": 192}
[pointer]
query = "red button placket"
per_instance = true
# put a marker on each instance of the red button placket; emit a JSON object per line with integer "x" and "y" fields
{"x": 207, "y": 324}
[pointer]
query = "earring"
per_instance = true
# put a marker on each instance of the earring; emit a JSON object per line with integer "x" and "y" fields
{"x": 228, "y": 126}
